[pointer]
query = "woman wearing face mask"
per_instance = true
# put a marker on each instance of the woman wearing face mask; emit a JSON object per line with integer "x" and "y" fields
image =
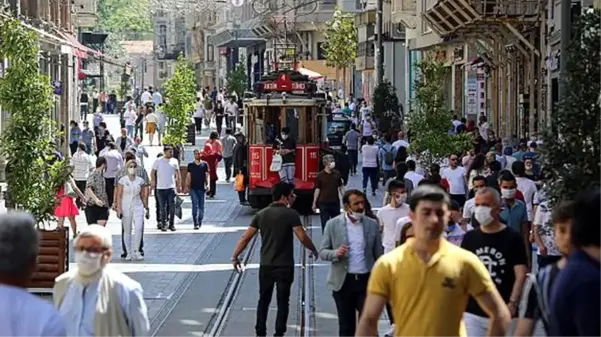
{"x": 97, "y": 209}
{"x": 130, "y": 208}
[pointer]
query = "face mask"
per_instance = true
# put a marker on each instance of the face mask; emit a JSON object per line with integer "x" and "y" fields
{"x": 400, "y": 199}
{"x": 101, "y": 129}
{"x": 483, "y": 216}
{"x": 357, "y": 215}
{"x": 332, "y": 165}
{"x": 284, "y": 136}
{"x": 131, "y": 171}
{"x": 88, "y": 263}
{"x": 508, "y": 193}
{"x": 528, "y": 167}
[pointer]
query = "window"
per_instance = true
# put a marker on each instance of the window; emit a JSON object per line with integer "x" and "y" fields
{"x": 163, "y": 36}
{"x": 210, "y": 52}
{"x": 425, "y": 26}
{"x": 328, "y": 4}
{"x": 161, "y": 65}
{"x": 320, "y": 52}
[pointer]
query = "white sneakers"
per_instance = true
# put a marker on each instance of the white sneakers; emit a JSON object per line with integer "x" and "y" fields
{"x": 135, "y": 256}
{"x": 390, "y": 332}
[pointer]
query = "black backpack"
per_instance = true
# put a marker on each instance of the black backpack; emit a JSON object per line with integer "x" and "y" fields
{"x": 389, "y": 156}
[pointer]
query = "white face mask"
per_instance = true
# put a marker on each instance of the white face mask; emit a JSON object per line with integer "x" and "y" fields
{"x": 332, "y": 165}
{"x": 88, "y": 263}
{"x": 401, "y": 199}
{"x": 483, "y": 216}
{"x": 131, "y": 171}
{"x": 357, "y": 215}
{"x": 508, "y": 193}
{"x": 284, "y": 136}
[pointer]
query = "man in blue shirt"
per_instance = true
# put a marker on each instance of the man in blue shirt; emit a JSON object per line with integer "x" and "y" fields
{"x": 575, "y": 309}
{"x": 386, "y": 155}
{"x": 74, "y": 136}
{"x": 513, "y": 212}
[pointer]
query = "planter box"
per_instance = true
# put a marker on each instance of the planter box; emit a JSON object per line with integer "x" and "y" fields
{"x": 53, "y": 259}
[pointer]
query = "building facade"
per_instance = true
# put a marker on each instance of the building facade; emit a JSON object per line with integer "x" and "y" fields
{"x": 169, "y": 43}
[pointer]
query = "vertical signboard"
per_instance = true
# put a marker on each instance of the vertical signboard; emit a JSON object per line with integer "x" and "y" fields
{"x": 312, "y": 162}
{"x": 256, "y": 165}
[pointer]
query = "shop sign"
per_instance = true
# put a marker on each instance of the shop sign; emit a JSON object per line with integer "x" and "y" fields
{"x": 223, "y": 51}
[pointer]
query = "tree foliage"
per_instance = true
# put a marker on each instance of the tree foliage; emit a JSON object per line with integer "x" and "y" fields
{"x": 386, "y": 108}
{"x": 118, "y": 16}
{"x": 236, "y": 80}
{"x": 571, "y": 148}
{"x": 430, "y": 121}
{"x": 27, "y": 95}
{"x": 340, "y": 48}
{"x": 180, "y": 89}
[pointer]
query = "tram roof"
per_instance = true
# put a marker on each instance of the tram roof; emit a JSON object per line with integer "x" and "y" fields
{"x": 288, "y": 101}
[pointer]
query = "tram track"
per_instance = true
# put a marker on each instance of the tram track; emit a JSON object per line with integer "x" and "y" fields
{"x": 305, "y": 320}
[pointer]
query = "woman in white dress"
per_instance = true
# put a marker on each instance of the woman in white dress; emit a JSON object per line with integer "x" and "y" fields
{"x": 132, "y": 199}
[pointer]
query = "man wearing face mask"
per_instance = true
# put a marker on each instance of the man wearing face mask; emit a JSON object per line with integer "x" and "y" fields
{"x": 391, "y": 213}
{"x": 328, "y": 189}
{"x": 94, "y": 300}
{"x": 287, "y": 148}
{"x": 514, "y": 212}
{"x": 352, "y": 242}
{"x": 478, "y": 183}
{"x": 502, "y": 251}
{"x": 455, "y": 231}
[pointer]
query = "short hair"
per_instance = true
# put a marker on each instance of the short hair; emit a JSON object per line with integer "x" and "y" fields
{"x": 519, "y": 168}
{"x": 395, "y": 184}
{"x": 280, "y": 190}
{"x": 112, "y": 145}
{"x": 371, "y": 140}
{"x": 327, "y": 157}
{"x": 102, "y": 125}
{"x": 96, "y": 231}
{"x": 228, "y": 131}
{"x": 411, "y": 165}
{"x": 428, "y": 192}
{"x": 214, "y": 135}
{"x": 585, "y": 223}
{"x": 18, "y": 243}
{"x": 562, "y": 212}
{"x": 82, "y": 146}
{"x": 494, "y": 193}
{"x": 455, "y": 206}
{"x": 285, "y": 130}
{"x": 100, "y": 161}
{"x": 388, "y": 138}
{"x": 129, "y": 156}
{"x": 479, "y": 178}
{"x": 346, "y": 198}
{"x": 507, "y": 176}
{"x": 167, "y": 148}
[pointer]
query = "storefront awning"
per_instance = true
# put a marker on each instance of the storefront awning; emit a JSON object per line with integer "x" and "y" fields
{"x": 78, "y": 48}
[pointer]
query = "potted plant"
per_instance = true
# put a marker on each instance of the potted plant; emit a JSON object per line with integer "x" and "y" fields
{"x": 180, "y": 91}
{"x": 33, "y": 175}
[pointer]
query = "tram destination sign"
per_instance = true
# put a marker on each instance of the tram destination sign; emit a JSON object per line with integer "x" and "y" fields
{"x": 284, "y": 83}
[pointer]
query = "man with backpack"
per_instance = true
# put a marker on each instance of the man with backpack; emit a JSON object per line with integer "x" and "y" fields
{"x": 386, "y": 156}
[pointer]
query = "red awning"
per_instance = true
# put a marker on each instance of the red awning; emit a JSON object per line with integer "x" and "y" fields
{"x": 79, "y": 49}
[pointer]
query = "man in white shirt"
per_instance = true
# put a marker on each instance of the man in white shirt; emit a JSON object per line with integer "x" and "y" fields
{"x": 391, "y": 213}
{"x": 146, "y": 97}
{"x": 22, "y": 313}
{"x": 401, "y": 141}
{"x": 82, "y": 166}
{"x": 166, "y": 180}
{"x": 231, "y": 112}
{"x": 412, "y": 175}
{"x": 478, "y": 183}
{"x": 364, "y": 111}
{"x": 456, "y": 176}
{"x": 525, "y": 185}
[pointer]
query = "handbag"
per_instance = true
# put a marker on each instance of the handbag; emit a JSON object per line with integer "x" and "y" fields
{"x": 239, "y": 183}
{"x": 69, "y": 191}
{"x": 178, "y": 206}
{"x": 276, "y": 163}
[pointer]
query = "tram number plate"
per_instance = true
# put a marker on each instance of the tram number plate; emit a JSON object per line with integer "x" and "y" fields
{"x": 272, "y": 86}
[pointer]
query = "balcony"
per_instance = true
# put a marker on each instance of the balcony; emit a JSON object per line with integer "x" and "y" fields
{"x": 405, "y": 13}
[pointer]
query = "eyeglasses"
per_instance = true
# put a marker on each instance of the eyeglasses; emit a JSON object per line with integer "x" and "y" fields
{"x": 93, "y": 250}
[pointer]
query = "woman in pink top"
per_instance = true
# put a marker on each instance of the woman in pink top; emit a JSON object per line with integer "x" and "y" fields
{"x": 216, "y": 146}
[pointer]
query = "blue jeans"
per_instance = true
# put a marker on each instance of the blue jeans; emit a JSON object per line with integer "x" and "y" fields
{"x": 198, "y": 205}
{"x": 167, "y": 206}
{"x": 130, "y": 130}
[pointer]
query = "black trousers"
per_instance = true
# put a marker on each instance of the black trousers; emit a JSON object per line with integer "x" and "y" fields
{"x": 353, "y": 156}
{"x": 544, "y": 261}
{"x": 110, "y": 190}
{"x": 459, "y": 198}
{"x": 81, "y": 184}
{"x": 212, "y": 187}
{"x": 227, "y": 162}
{"x": 73, "y": 147}
{"x": 219, "y": 123}
{"x": 327, "y": 211}
{"x": 139, "y": 130}
{"x": 158, "y": 209}
{"x": 349, "y": 301}
{"x": 198, "y": 123}
{"x": 282, "y": 278}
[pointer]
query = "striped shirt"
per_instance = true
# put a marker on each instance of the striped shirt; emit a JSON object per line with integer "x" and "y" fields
{"x": 536, "y": 294}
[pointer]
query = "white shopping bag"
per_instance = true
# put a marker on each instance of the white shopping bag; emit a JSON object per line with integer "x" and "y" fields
{"x": 276, "y": 163}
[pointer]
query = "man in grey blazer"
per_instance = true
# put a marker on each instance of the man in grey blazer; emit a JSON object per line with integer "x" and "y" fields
{"x": 352, "y": 242}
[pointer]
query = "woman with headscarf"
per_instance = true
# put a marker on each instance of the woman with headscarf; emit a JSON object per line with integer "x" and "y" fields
{"x": 211, "y": 157}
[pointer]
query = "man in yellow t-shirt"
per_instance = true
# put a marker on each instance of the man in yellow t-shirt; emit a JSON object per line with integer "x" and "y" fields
{"x": 428, "y": 280}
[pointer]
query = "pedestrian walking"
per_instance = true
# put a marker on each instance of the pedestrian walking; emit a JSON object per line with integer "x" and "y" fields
{"x": 241, "y": 164}
{"x": 132, "y": 203}
{"x": 457, "y": 178}
{"x": 219, "y": 116}
{"x": 513, "y": 211}
{"x": 478, "y": 183}
{"x": 197, "y": 183}
{"x": 401, "y": 141}
{"x": 229, "y": 143}
{"x": 444, "y": 277}
{"x": 208, "y": 106}
{"x": 114, "y": 163}
{"x": 211, "y": 158}
{"x": 401, "y": 170}
{"x": 574, "y": 305}
{"x": 82, "y": 167}
{"x": 391, "y": 212}
{"x": 328, "y": 191}
{"x": 351, "y": 140}
{"x": 231, "y": 112}
{"x": 22, "y": 313}
{"x": 162, "y": 122}
{"x": 351, "y": 241}
{"x": 199, "y": 114}
{"x": 140, "y": 151}
{"x": 74, "y": 136}
{"x": 369, "y": 154}
{"x": 386, "y": 155}
{"x": 97, "y": 206}
{"x": 139, "y": 122}
{"x": 103, "y": 137}
{"x": 165, "y": 177}
{"x": 124, "y": 142}
{"x": 88, "y": 138}
{"x": 78, "y": 292}
{"x": 286, "y": 147}
{"x": 65, "y": 204}
{"x": 84, "y": 100}
{"x": 277, "y": 224}
{"x": 368, "y": 127}
{"x": 502, "y": 251}
{"x": 412, "y": 174}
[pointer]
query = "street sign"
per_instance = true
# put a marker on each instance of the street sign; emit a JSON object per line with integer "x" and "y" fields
{"x": 237, "y": 3}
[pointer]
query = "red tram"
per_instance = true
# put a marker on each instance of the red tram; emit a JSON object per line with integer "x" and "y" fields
{"x": 284, "y": 99}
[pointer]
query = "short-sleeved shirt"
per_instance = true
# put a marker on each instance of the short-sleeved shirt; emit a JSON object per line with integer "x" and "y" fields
{"x": 500, "y": 252}
{"x": 328, "y": 184}
{"x": 544, "y": 228}
{"x": 86, "y": 136}
{"x": 97, "y": 183}
{"x": 275, "y": 224}
{"x": 352, "y": 139}
{"x": 198, "y": 175}
{"x": 140, "y": 172}
{"x": 288, "y": 144}
{"x": 514, "y": 215}
{"x": 165, "y": 172}
{"x": 429, "y": 298}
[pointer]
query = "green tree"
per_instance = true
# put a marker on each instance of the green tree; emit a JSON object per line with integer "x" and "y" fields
{"x": 27, "y": 95}
{"x": 430, "y": 122}
{"x": 118, "y": 16}
{"x": 572, "y": 149}
{"x": 236, "y": 80}
{"x": 386, "y": 108}
{"x": 340, "y": 48}
{"x": 180, "y": 89}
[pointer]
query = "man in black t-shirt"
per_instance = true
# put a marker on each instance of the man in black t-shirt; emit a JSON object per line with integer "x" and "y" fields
{"x": 502, "y": 251}
{"x": 276, "y": 224}
{"x": 287, "y": 148}
{"x": 197, "y": 182}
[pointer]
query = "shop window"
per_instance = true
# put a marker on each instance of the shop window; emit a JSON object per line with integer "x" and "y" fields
{"x": 210, "y": 53}
{"x": 321, "y": 55}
